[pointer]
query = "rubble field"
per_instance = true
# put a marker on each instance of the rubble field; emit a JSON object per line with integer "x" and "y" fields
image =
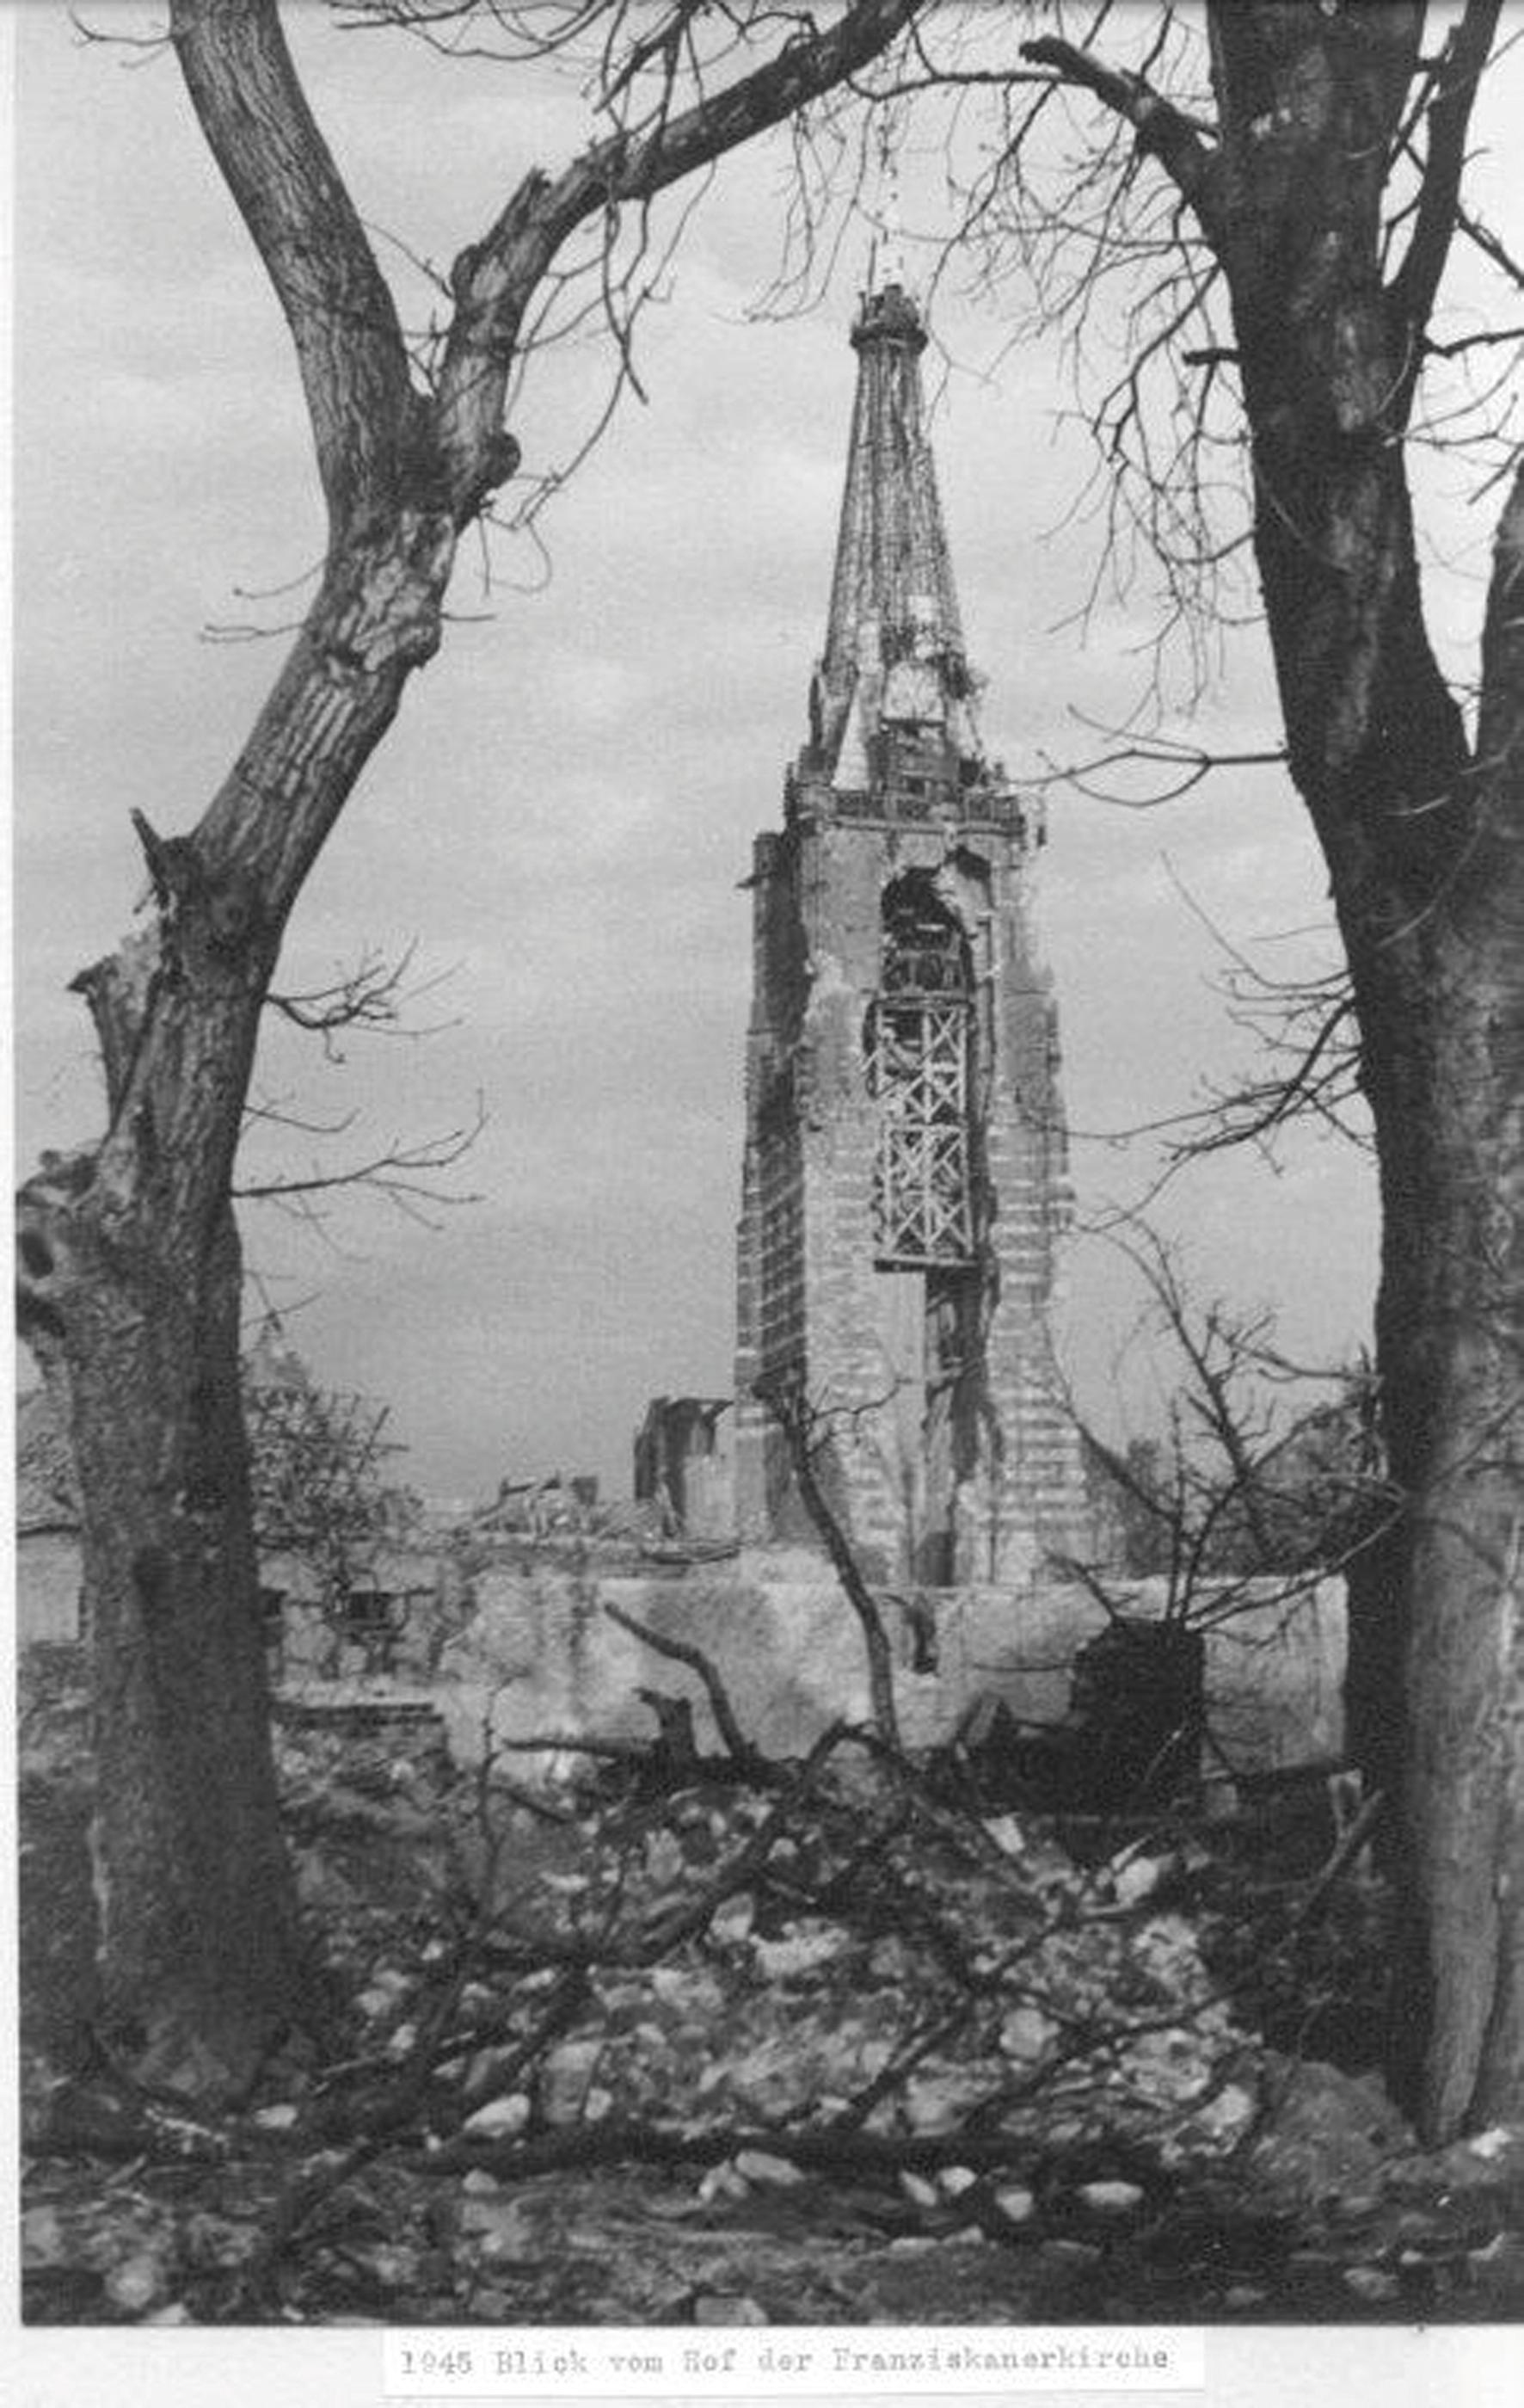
{"x": 819, "y": 2043}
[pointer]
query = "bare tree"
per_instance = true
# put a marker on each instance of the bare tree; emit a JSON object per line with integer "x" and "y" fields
{"x": 1274, "y": 212}
{"x": 128, "y": 1251}
{"x": 1261, "y": 1470}
{"x": 1261, "y": 1480}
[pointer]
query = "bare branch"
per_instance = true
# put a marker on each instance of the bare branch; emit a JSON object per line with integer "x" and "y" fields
{"x": 494, "y": 281}
{"x": 1184, "y": 145}
{"x": 1188, "y": 765}
{"x": 1490, "y": 245}
{"x": 371, "y": 997}
{"x": 257, "y": 124}
{"x": 782, "y": 1394}
{"x": 402, "y": 1172}
{"x": 1411, "y": 292}
{"x": 1483, "y": 340}
{"x": 1250, "y": 1485}
{"x": 738, "y": 1745}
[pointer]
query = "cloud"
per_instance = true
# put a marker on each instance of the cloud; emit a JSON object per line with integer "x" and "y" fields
{"x": 567, "y": 802}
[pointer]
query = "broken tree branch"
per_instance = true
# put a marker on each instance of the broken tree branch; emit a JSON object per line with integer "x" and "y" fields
{"x": 737, "y": 1747}
{"x": 782, "y": 1394}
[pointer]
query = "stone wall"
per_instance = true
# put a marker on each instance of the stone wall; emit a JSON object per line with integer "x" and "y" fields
{"x": 526, "y": 1649}
{"x": 684, "y": 1464}
{"x": 539, "y": 1658}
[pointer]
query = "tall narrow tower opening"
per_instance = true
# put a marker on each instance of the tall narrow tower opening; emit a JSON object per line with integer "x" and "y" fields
{"x": 905, "y": 1188}
{"x": 919, "y": 1047}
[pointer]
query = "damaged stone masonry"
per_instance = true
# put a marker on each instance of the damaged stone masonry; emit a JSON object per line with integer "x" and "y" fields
{"x": 905, "y": 1185}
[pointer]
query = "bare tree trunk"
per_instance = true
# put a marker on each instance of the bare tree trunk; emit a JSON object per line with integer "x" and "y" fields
{"x": 1421, "y": 834}
{"x": 1332, "y": 264}
{"x": 130, "y": 1291}
{"x": 1437, "y": 1691}
{"x": 1456, "y": 1428}
{"x": 201, "y": 1961}
{"x": 1447, "y": 1082}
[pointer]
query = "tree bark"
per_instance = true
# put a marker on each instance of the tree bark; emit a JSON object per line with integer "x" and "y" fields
{"x": 1442, "y": 1015}
{"x": 1421, "y": 836}
{"x": 130, "y": 1291}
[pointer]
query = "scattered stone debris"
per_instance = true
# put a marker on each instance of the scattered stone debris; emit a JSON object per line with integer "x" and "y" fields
{"x": 809, "y": 2047}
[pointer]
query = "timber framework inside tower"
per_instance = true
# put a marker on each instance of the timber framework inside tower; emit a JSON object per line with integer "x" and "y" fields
{"x": 917, "y": 1048}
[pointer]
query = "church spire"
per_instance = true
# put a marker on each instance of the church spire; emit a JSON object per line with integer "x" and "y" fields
{"x": 905, "y": 1187}
{"x": 894, "y": 644}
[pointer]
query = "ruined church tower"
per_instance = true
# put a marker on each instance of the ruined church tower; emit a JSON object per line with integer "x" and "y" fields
{"x": 905, "y": 1185}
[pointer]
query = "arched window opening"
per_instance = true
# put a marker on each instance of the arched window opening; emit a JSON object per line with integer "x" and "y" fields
{"x": 920, "y": 1034}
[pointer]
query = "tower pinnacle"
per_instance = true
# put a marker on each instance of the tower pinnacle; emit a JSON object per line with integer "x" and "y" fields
{"x": 886, "y": 259}
{"x": 894, "y": 644}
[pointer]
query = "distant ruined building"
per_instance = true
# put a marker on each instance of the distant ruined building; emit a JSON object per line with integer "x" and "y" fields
{"x": 905, "y": 1187}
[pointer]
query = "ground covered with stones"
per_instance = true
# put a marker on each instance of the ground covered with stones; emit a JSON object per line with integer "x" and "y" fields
{"x": 829, "y": 2044}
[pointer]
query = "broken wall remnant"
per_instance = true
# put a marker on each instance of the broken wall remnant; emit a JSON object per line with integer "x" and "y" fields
{"x": 684, "y": 1464}
{"x": 539, "y": 1657}
{"x": 545, "y": 1507}
{"x": 396, "y": 1607}
{"x": 904, "y": 1186}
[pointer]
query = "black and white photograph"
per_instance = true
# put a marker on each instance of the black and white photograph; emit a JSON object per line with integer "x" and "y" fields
{"x": 767, "y": 1043}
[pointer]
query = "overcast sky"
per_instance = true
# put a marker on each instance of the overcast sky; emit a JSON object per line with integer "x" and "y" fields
{"x": 561, "y": 817}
